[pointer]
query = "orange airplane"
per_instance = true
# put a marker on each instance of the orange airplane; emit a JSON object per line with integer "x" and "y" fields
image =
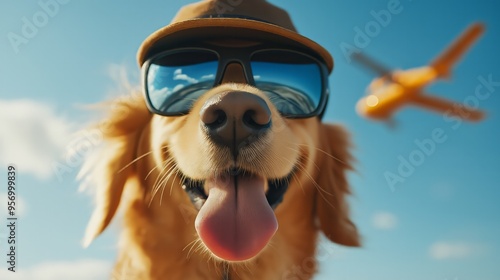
{"x": 395, "y": 89}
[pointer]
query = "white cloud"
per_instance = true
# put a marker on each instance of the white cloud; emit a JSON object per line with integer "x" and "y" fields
{"x": 178, "y": 87}
{"x": 32, "y": 136}
{"x": 384, "y": 221}
{"x": 179, "y": 76}
{"x": 158, "y": 95}
{"x": 153, "y": 70}
{"x": 209, "y": 76}
{"x": 453, "y": 250}
{"x": 62, "y": 270}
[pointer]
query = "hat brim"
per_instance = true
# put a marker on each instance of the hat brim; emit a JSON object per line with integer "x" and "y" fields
{"x": 237, "y": 28}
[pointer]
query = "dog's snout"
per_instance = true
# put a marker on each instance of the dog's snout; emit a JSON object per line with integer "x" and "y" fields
{"x": 235, "y": 118}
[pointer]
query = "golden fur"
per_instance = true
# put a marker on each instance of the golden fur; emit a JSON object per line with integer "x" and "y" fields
{"x": 139, "y": 170}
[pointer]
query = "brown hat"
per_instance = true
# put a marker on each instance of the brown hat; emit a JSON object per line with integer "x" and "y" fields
{"x": 212, "y": 19}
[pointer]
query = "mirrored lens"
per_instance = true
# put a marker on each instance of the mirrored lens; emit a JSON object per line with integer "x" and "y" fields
{"x": 293, "y": 81}
{"x": 177, "y": 79}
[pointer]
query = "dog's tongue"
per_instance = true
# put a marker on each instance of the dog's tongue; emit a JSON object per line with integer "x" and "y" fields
{"x": 236, "y": 221}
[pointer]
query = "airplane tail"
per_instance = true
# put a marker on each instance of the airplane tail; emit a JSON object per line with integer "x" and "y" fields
{"x": 448, "y": 107}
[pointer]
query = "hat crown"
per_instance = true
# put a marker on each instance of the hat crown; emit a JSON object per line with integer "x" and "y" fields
{"x": 242, "y": 19}
{"x": 252, "y": 9}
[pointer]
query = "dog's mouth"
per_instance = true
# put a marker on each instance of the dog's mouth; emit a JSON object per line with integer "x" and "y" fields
{"x": 236, "y": 218}
{"x": 274, "y": 194}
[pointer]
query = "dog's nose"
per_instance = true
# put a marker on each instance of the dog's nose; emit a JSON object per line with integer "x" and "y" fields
{"x": 235, "y": 118}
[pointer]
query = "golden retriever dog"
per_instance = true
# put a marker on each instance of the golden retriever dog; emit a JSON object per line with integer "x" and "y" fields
{"x": 236, "y": 186}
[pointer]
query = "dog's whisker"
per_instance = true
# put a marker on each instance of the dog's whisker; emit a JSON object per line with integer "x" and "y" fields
{"x": 201, "y": 247}
{"x": 327, "y": 154}
{"x": 165, "y": 177}
{"x": 165, "y": 180}
{"x": 236, "y": 271}
{"x": 246, "y": 266}
{"x": 159, "y": 177}
{"x": 178, "y": 174}
{"x": 160, "y": 173}
{"x": 166, "y": 174}
{"x": 225, "y": 271}
{"x": 135, "y": 160}
{"x": 156, "y": 167}
{"x": 332, "y": 157}
{"x": 301, "y": 168}
{"x": 220, "y": 270}
{"x": 160, "y": 180}
{"x": 196, "y": 244}
{"x": 161, "y": 195}
{"x": 154, "y": 188}
{"x": 296, "y": 178}
{"x": 320, "y": 189}
{"x": 173, "y": 171}
{"x": 150, "y": 172}
{"x": 191, "y": 245}
{"x": 298, "y": 152}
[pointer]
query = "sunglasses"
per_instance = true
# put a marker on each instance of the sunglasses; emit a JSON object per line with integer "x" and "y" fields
{"x": 295, "y": 82}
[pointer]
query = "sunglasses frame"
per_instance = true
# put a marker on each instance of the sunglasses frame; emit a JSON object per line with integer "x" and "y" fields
{"x": 241, "y": 55}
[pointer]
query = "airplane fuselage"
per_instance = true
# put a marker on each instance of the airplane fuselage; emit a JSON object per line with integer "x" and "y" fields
{"x": 386, "y": 96}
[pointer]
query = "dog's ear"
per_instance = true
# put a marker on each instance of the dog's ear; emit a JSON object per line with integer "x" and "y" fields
{"x": 107, "y": 170}
{"x": 331, "y": 205}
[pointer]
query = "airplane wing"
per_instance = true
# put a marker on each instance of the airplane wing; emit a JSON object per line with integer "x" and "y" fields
{"x": 371, "y": 64}
{"x": 445, "y": 61}
{"x": 447, "y": 107}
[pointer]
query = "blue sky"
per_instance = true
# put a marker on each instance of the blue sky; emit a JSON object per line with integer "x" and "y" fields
{"x": 441, "y": 222}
